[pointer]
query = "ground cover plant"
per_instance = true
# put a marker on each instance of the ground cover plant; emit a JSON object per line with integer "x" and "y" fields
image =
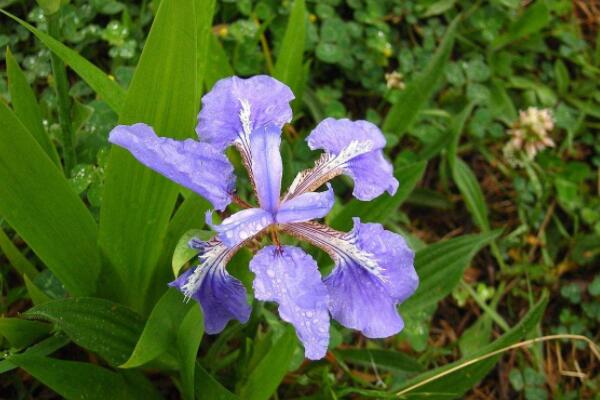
{"x": 463, "y": 142}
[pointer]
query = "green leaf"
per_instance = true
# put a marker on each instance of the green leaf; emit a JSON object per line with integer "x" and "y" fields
{"x": 269, "y": 372}
{"x": 440, "y": 267}
{"x": 14, "y": 256}
{"x": 54, "y": 221}
{"x": 208, "y": 387}
{"x": 456, "y": 128}
{"x": 26, "y": 106}
{"x": 535, "y": 18}
{"x": 456, "y": 383}
{"x": 160, "y": 331}
{"x": 411, "y": 100}
{"x": 138, "y": 202}
{"x": 98, "y": 325}
{"x": 379, "y": 210}
{"x": 204, "y": 11}
{"x": 188, "y": 341}
{"x": 289, "y": 67}
{"x": 473, "y": 196}
{"x": 43, "y": 348}
{"x": 36, "y": 294}
{"x": 384, "y": 359}
{"x": 78, "y": 380}
{"x": 21, "y": 333}
{"x": 218, "y": 63}
{"x": 101, "y": 83}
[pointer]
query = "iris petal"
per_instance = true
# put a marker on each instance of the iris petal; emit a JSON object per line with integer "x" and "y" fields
{"x": 266, "y": 166}
{"x": 342, "y": 138}
{"x": 265, "y": 98}
{"x": 192, "y": 164}
{"x": 241, "y": 225}
{"x": 373, "y": 273}
{"x": 289, "y": 277}
{"x": 306, "y": 206}
{"x": 221, "y": 296}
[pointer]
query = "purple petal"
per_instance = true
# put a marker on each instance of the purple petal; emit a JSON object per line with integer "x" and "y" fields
{"x": 197, "y": 166}
{"x": 241, "y": 225}
{"x": 334, "y": 135}
{"x": 219, "y": 120}
{"x": 306, "y": 206}
{"x": 289, "y": 277}
{"x": 372, "y": 175}
{"x": 369, "y": 282}
{"x": 371, "y": 172}
{"x": 221, "y": 296}
{"x": 266, "y": 167}
{"x": 373, "y": 273}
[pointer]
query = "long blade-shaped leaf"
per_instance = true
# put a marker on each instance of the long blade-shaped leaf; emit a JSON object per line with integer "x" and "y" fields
{"x": 289, "y": 68}
{"x": 37, "y": 201}
{"x": 138, "y": 202}
{"x": 454, "y": 384}
{"x": 380, "y": 208}
{"x": 440, "y": 267}
{"x": 99, "y": 325}
{"x": 406, "y": 109}
{"x": 79, "y": 380}
{"x": 469, "y": 187}
{"x": 26, "y": 106}
{"x": 218, "y": 65}
{"x": 106, "y": 88}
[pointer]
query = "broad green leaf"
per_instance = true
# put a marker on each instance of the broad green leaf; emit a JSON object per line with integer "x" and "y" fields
{"x": 418, "y": 92}
{"x": 26, "y": 106}
{"x": 21, "y": 332}
{"x": 183, "y": 253}
{"x": 205, "y": 10}
{"x": 188, "y": 341}
{"x": 53, "y": 221}
{"x": 99, "y": 325}
{"x": 14, "y": 256}
{"x": 78, "y": 380}
{"x": 456, "y": 383}
{"x": 36, "y": 294}
{"x": 137, "y": 202}
{"x": 473, "y": 196}
{"x": 43, "y": 348}
{"x": 218, "y": 63}
{"x": 289, "y": 67}
{"x": 100, "y": 82}
{"x": 208, "y": 387}
{"x": 379, "y": 209}
{"x": 476, "y": 336}
{"x": 535, "y": 18}
{"x": 440, "y": 267}
{"x": 160, "y": 331}
{"x": 269, "y": 372}
{"x": 384, "y": 359}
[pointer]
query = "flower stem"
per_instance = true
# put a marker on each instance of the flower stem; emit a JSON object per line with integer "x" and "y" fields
{"x": 62, "y": 94}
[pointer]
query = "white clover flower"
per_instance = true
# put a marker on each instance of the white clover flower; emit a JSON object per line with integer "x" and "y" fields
{"x": 395, "y": 80}
{"x": 529, "y": 135}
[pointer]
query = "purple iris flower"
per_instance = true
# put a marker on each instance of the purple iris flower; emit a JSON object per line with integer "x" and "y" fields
{"x": 373, "y": 270}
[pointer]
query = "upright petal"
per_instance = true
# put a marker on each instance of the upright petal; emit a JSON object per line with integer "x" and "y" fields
{"x": 373, "y": 273}
{"x": 241, "y": 225}
{"x": 197, "y": 166}
{"x": 289, "y": 277}
{"x": 353, "y": 148}
{"x": 306, "y": 206}
{"x": 236, "y": 106}
{"x": 265, "y": 165}
{"x": 221, "y": 296}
